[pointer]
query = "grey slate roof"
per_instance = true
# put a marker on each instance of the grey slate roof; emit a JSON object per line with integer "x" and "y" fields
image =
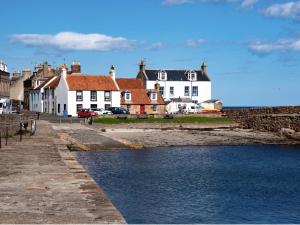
{"x": 177, "y": 75}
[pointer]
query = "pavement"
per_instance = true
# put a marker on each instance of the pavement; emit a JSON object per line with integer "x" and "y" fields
{"x": 41, "y": 182}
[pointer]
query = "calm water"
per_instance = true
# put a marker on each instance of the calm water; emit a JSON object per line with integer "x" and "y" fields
{"x": 240, "y": 184}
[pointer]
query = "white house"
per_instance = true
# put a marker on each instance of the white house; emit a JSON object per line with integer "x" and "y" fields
{"x": 212, "y": 105}
{"x": 194, "y": 85}
{"x": 37, "y": 96}
{"x": 76, "y": 91}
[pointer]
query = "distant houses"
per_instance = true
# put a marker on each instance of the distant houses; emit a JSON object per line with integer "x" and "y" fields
{"x": 139, "y": 100}
{"x": 64, "y": 91}
{"x": 192, "y": 85}
{"x": 72, "y": 91}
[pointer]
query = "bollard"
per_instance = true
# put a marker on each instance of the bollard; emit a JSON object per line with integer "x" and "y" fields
{"x": 90, "y": 120}
{"x": 33, "y": 127}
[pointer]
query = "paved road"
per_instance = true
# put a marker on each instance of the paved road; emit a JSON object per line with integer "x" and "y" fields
{"x": 41, "y": 182}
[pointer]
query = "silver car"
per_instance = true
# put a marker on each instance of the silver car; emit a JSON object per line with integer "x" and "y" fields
{"x": 102, "y": 111}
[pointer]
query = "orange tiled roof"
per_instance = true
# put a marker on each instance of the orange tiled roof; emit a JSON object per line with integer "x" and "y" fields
{"x": 141, "y": 97}
{"x": 129, "y": 83}
{"x": 54, "y": 83}
{"x": 91, "y": 82}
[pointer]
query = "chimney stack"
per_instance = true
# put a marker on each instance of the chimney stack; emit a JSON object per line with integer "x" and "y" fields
{"x": 64, "y": 72}
{"x": 157, "y": 86}
{"x": 203, "y": 68}
{"x": 112, "y": 72}
{"x": 75, "y": 67}
{"x": 142, "y": 66}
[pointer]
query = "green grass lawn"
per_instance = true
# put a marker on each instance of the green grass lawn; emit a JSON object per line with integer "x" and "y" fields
{"x": 181, "y": 119}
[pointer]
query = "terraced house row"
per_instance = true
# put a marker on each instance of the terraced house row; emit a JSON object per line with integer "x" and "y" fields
{"x": 148, "y": 93}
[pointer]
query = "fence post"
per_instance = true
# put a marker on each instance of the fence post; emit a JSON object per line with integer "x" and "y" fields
{"x": 0, "y": 138}
{"x": 20, "y": 131}
{"x": 6, "y": 135}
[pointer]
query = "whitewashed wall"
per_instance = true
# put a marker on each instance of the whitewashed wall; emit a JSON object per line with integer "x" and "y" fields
{"x": 86, "y": 102}
{"x": 35, "y": 101}
{"x": 61, "y": 94}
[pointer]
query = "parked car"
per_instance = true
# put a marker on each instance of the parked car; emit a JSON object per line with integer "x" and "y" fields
{"x": 102, "y": 111}
{"x": 118, "y": 110}
{"x": 86, "y": 113}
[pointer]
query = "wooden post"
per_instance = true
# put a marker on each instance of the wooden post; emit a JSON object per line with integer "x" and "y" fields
{"x": 0, "y": 139}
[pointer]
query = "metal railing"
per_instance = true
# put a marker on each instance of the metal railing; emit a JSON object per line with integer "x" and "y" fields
{"x": 16, "y": 124}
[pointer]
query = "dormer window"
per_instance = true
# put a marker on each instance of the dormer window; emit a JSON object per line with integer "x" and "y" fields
{"x": 192, "y": 75}
{"x": 162, "y": 75}
{"x": 127, "y": 96}
{"x": 153, "y": 96}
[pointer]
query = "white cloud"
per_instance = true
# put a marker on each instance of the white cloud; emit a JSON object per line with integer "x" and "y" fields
{"x": 248, "y": 3}
{"x": 195, "y": 43}
{"x": 71, "y": 41}
{"x": 243, "y": 3}
{"x": 275, "y": 46}
{"x": 156, "y": 46}
{"x": 284, "y": 10}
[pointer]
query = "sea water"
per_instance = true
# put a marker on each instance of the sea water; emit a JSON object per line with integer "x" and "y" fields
{"x": 220, "y": 184}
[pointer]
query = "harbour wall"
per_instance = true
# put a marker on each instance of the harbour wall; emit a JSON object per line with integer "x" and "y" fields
{"x": 267, "y": 119}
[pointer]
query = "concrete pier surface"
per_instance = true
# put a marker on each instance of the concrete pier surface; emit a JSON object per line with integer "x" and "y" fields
{"x": 42, "y": 183}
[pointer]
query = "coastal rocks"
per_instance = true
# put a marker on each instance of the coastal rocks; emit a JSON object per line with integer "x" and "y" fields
{"x": 267, "y": 119}
{"x": 287, "y": 132}
{"x": 290, "y": 133}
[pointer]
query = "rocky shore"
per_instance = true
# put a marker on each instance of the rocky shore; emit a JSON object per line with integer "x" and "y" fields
{"x": 143, "y": 135}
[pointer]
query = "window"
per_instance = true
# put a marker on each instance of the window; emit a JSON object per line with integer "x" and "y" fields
{"x": 154, "y": 108}
{"x": 162, "y": 75}
{"x": 107, "y": 106}
{"x": 79, "y": 96}
{"x": 78, "y": 107}
{"x": 65, "y": 107}
{"x": 186, "y": 91}
{"x": 129, "y": 107}
{"x": 192, "y": 75}
{"x": 93, "y": 95}
{"x": 93, "y": 106}
{"x": 127, "y": 96}
{"x": 171, "y": 91}
{"x": 195, "y": 91}
{"x": 107, "y": 96}
{"x": 153, "y": 96}
{"x": 58, "y": 108}
{"x": 162, "y": 90}
{"x": 52, "y": 93}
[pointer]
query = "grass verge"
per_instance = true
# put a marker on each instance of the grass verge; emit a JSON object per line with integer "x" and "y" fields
{"x": 183, "y": 119}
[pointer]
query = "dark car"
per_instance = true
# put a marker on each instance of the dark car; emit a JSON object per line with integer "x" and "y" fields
{"x": 86, "y": 113}
{"x": 118, "y": 110}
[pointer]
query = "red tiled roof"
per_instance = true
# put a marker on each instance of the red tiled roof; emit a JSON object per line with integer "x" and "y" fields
{"x": 129, "y": 83}
{"x": 91, "y": 82}
{"x": 54, "y": 83}
{"x": 141, "y": 97}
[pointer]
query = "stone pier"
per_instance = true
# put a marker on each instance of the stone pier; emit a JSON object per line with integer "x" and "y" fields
{"x": 42, "y": 183}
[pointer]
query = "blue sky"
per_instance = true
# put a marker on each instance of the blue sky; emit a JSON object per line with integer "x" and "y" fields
{"x": 251, "y": 47}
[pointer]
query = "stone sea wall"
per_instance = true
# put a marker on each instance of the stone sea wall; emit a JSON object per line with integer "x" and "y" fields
{"x": 267, "y": 119}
